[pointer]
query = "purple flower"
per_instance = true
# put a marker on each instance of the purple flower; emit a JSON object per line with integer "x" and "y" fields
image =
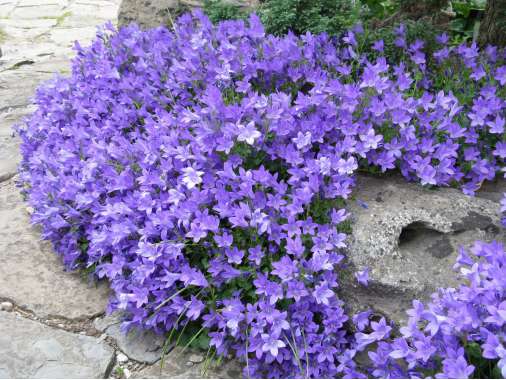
{"x": 192, "y": 177}
{"x": 271, "y": 344}
{"x": 323, "y": 294}
{"x": 362, "y": 276}
{"x": 248, "y": 133}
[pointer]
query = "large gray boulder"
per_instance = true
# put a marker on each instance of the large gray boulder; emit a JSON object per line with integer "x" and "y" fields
{"x": 408, "y": 236}
{"x": 152, "y": 13}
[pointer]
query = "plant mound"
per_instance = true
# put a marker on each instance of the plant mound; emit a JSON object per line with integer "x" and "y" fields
{"x": 204, "y": 172}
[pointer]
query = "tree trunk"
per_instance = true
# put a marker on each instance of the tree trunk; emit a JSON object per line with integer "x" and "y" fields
{"x": 493, "y": 25}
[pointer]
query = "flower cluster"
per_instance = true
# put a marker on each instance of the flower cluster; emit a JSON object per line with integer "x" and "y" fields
{"x": 456, "y": 328}
{"x": 204, "y": 172}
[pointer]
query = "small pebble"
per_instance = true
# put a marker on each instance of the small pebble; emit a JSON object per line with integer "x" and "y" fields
{"x": 6, "y": 306}
{"x": 127, "y": 373}
{"x": 121, "y": 358}
{"x": 61, "y": 325}
{"x": 30, "y": 210}
{"x": 189, "y": 364}
{"x": 196, "y": 358}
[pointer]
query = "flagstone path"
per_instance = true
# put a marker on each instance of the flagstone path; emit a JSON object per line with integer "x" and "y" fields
{"x": 53, "y": 323}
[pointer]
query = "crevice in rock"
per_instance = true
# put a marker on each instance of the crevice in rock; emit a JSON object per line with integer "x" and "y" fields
{"x": 7, "y": 176}
{"x": 416, "y": 231}
{"x": 75, "y": 326}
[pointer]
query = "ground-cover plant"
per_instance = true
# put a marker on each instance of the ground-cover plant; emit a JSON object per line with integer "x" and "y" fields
{"x": 204, "y": 172}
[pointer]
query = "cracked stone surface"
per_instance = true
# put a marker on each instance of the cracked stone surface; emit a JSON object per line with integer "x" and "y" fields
{"x": 180, "y": 364}
{"x": 408, "y": 236}
{"x": 32, "y": 350}
{"x": 31, "y": 275}
{"x": 47, "y": 306}
{"x": 142, "y": 346}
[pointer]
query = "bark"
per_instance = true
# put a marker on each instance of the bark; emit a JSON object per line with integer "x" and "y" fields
{"x": 493, "y": 24}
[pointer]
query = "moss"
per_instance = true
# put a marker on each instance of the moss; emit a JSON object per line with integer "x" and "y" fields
{"x": 61, "y": 19}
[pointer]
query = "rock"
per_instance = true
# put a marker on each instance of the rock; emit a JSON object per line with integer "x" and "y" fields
{"x": 175, "y": 367}
{"x": 6, "y": 306}
{"x": 32, "y": 350}
{"x": 195, "y": 358}
{"x": 146, "y": 13}
{"x": 408, "y": 236}
{"x": 142, "y": 346}
{"x": 37, "y": 10}
{"x": 493, "y": 190}
{"x": 31, "y": 274}
{"x": 152, "y": 13}
{"x": 121, "y": 358}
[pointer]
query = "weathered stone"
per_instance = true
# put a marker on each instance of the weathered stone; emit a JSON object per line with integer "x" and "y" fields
{"x": 31, "y": 275}
{"x": 68, "y": 36}
{"x": 29, "y": 24}
{"x": 142, "y": 346}
{"x": 6, "y": 306}
{"x": 152, "y": 13}
{"x": 29, "y": 349}
{"x": 174, "y": 367}
{"x": 6, "y": 7}
{"x": 146, "y": 13}
{"x": 493, "y": 190}
{"x": 9, "y": 157}
{"x": 195, "y": 358}
{"x": 408, "y": 236}
{"x": 121, "y": 358}
{"x": 36, "y": 11}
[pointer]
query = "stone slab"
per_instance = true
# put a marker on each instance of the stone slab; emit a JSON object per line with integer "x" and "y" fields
{"x": 9, "y": 156}
{"x": 67, "y": 36}
{"x": 31, "y": 274}
{"x": 142, "y": 346}
{"x": 179, "y": 364}
{"x": 36, "y": 11}
{"x": 30, "y": 349}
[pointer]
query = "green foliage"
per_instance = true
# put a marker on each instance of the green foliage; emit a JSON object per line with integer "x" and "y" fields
{"x": 316, "y": 16}
{"x": 466, "y": 23}
{"x": 484, "y": 368}
{"x": 335, "y": 16}
{"x": 415, "y": 30}
{"x": 380, "y": 8}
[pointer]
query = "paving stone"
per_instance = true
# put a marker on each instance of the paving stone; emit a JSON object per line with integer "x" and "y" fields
{"x": 29, "y": 24}
{"x": 175, "y": 367}
{"x": 31, "y": 275}
{"x": 36, "y": 3}
{"x": 15, "y": 96}
{"x": 9, "y": 157}
{"x": 6, "y": 7}
{"x": 16, "y": 51}
{"x": 143, "y": 346}
{"x": 29, "y": 349}
{"x": 24, "y": 33}
{"x": 67, "y": 36}
{"x": 36, "y": 11}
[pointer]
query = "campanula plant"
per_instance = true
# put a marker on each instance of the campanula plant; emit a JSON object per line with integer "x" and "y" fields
{"x": 204, "y": 172}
